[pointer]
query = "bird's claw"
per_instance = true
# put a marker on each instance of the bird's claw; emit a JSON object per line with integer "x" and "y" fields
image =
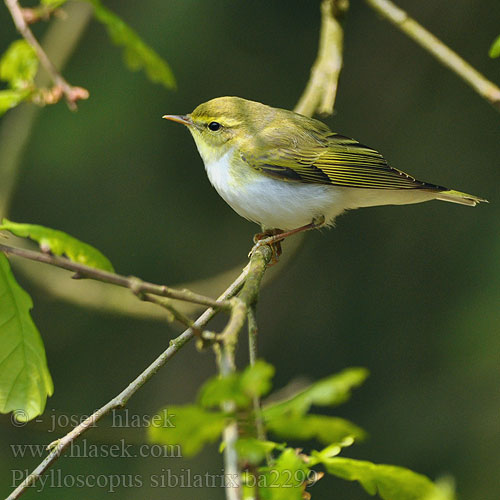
{"x": 268, "y": 240}
{"x": 258, "y": 244}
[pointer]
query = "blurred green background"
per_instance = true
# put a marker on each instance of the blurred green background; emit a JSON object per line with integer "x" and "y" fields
{"x": 412, "y": 292}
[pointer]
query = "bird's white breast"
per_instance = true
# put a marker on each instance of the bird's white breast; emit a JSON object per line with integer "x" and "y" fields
{"x": 273, "y": 203}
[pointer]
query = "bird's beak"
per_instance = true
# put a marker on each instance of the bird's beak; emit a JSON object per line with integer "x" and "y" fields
{"x": 184, "y": 119}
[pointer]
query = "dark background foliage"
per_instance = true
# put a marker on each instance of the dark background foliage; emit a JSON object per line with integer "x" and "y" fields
{"x": 410, "y": 292}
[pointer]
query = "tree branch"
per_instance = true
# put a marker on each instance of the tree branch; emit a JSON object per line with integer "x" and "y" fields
{"x": 321, "y": 90}
{"x": 72, "y": 94}
{"x": 59, "y": 446}
{"x": 486, "y": 89}
{"x": 137, "y": 286}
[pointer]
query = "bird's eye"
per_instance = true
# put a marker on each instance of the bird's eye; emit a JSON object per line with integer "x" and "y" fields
{"x": 214, "y": 126}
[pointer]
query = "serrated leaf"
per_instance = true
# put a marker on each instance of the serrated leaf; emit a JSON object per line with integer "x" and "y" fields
{"x": 25, "y": 381}
{"x": 495, "y": 48}
{"x": 239, "y": 388}
{"x": 253, "y": 450}
{"x": 321, "y": 427}
{"x": 285, "y": 480}
{"x": 388, "y": 481}
{"x": 19, "y": 64}
{"x": 11, "y": 98}
{"x": 137, "y": 54}
{"x": 60, "y": 243}
{"x": 330, "y": 391}
{"x": 190, "y": 427}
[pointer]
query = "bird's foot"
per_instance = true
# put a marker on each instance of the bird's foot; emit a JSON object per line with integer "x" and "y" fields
{"x": 274, "y": 237}
{"x": 269, "y": 237}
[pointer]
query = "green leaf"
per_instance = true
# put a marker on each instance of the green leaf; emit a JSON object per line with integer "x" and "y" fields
{"x": 285, "y": 480}
{"x": 239, "y": 388}
{"x": 495, "y": 48}
{"x": 216, "y": 390}
{"x": 323, "y": 428}
{"x": 327, "y": 392}
{"x": 137, "y": 54}
{"x": 253, "y": 450}
{"x": 25, "y": 380}
{"x": 388, "y": 481}
{"x": 18, "y": 65}
{"x": 190, "y": 426}
{"x": 11, "y": 98}
{"x": 60, "y": 243}
{"x": 256, "y": 378}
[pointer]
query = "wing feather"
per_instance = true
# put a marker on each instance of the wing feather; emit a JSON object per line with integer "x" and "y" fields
{"x": 338, "y": 161}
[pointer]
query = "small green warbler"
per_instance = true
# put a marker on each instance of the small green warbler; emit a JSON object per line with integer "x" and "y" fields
{"x": 288, "y": 172}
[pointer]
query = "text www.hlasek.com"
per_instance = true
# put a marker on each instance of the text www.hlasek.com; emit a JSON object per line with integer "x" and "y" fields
{"x": 84, "y": 449}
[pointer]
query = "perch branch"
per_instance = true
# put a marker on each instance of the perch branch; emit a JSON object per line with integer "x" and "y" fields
{"x": 321, "y": 90}
{"x": 486, "y": 89}
{"x": 59, "y": 446}
{"x": 71, "y": 93}
{"x": 137, "y": 286}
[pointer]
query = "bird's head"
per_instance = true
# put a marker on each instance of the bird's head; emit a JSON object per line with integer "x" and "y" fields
{"x": 225, "y": 123}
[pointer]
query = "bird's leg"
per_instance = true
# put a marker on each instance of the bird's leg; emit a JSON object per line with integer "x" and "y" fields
{"x": 274, "y": 237}
{"x": 265, "y": 234}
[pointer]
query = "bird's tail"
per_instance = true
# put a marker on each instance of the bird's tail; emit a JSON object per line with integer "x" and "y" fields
{"x": 458, "y": 197}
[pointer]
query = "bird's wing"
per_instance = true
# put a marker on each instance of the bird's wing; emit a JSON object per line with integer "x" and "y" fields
{"x": 338, "y": 161}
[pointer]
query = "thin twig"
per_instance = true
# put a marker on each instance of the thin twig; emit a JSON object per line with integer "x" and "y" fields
{"x": 174, "y": 313}
{"x": 486, "y": 89}
{"x": 59, "y": 446}
{"x": 253, "y": 331}
{"x": 321, "y": 90}
{"x": 71, "y": 93}
{"x": 135, "y": 284}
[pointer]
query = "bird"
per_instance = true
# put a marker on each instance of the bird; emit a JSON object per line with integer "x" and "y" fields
{"x": 290, "y": 173}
